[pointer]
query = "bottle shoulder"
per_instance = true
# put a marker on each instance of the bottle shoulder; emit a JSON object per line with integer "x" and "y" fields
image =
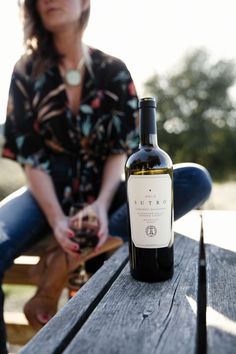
{"x": 150, "y": 156}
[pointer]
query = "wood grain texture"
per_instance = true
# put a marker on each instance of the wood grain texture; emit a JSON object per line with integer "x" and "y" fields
{"x": 20, "y": 274}
{"x": 65, "y": 324}
{"x": 136, "y": 317}
{"x": 219, "y": 229}
{"x": 24, "y": 273}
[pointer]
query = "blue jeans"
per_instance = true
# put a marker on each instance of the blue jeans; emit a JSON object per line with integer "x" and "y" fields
{"x": 22, "y": 223}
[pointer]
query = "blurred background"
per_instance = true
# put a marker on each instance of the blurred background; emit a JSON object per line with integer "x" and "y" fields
{"x": 183, "y": 53}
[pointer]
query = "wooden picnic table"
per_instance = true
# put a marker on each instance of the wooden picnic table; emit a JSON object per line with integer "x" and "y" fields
{"x": 194, "y": 312}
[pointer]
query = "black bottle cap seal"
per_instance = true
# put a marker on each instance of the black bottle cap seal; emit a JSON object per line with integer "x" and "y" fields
{"x": 147, "y": 102}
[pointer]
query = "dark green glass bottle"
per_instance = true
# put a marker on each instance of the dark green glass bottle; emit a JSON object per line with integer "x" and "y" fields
{"x": 149, "y": 178}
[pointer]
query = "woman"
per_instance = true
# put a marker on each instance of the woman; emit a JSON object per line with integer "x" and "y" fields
{"x": 71, "y": 123}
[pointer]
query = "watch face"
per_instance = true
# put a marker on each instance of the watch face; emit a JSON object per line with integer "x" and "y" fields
{"x": 73, "y": 77}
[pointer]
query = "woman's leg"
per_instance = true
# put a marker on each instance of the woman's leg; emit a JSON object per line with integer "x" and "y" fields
{"x": 21, "y": 225}
{"x": 192, "y": 187}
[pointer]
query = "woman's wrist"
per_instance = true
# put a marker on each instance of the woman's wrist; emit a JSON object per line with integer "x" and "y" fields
{"x": 104, "y": 202}
{"x": 55, "y": 218}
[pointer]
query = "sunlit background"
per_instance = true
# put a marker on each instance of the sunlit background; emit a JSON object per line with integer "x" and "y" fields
{"x": 150, "y": 36}
{"x": 197, "y": 100}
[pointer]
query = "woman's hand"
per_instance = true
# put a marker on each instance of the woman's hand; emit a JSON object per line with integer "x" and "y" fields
{"x": 63, "y": 234}
{"x": 42, "y": 188}
{"x": 97, "y": 213}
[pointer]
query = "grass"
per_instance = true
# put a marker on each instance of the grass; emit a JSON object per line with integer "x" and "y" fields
{"x": 223, "y": 196}
{"x": 19, "y": 289}
{"x": 16, "y": 295}
{"x": 11, "y": 177}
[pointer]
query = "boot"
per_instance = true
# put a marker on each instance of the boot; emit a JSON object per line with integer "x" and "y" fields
{"x": 57, "y": 269}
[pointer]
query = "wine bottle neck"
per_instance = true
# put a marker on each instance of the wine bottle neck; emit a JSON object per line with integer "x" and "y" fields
{"x": 149, "y": 140}
{"x": 148, "y": 127}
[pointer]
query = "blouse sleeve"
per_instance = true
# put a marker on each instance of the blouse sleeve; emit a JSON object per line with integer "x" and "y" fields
{"x": 124, "y": 110}
{"x": 23, "y": 142}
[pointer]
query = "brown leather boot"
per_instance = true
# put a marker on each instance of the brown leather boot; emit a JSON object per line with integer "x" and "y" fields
{"x": 57, "y": 268}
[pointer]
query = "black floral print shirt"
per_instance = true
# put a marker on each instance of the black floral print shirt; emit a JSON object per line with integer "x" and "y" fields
{"x": 41, "y": 129}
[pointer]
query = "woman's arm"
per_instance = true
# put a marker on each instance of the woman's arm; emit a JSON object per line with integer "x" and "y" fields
{"x": 111, "y": 178}
{"x": 42, "y": 188}
{"x": 113, "y": 169}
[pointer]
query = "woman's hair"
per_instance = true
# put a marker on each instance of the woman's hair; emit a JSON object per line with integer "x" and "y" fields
{"x": 37, "y": 39}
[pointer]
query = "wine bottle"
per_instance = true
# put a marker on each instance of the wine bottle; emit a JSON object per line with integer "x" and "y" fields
{"x": 149, "y": 179}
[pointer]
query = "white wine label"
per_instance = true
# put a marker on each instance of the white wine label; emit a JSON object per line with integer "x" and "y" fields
{"x": 149, "y": 198}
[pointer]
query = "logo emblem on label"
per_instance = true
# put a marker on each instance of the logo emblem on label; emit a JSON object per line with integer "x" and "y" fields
{"x": 151, "y": 230}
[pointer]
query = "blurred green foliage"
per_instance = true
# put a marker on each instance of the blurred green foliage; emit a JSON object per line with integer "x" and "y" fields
{"x": 11, "y": 177}
{"x": 196, "y": 113}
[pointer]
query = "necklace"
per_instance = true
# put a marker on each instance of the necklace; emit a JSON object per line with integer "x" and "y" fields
{"x": 73, "y": 76}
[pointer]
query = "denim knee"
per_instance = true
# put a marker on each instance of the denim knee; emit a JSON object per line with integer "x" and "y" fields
{"x": 7, "y": 251}
{"x": 118, "y": 223}
{"x": 192, "y": 187}
{"x": 202, "y": 180}
{"x": 21, "y": 223}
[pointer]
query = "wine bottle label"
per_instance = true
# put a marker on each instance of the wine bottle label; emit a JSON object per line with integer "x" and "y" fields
{"x": 149, "y": 198}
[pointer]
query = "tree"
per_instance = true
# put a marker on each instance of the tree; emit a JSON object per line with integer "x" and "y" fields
{"x": 196, "y": 115}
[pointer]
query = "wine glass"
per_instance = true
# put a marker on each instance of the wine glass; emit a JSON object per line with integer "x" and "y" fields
{"x": 85, "y": 228}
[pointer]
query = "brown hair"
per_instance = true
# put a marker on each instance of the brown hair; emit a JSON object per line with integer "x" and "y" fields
{"x": 37, "y": 39}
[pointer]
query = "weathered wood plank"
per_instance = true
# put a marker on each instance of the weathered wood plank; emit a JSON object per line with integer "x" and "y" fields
{"x": 21, "y": 274}
{"x": 40, "y": 247}
{"x": 136, "y": 317}
{"x": 54, "y": 337}
{"x": 219, "y": 229}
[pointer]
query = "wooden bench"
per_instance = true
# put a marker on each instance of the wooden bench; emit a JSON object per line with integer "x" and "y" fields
{"x": 194, "y": 312}
{"x": 24, "y": 272}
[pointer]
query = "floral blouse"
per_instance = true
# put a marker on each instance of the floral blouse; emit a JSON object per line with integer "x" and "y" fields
{"x": 41, "y": 130}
